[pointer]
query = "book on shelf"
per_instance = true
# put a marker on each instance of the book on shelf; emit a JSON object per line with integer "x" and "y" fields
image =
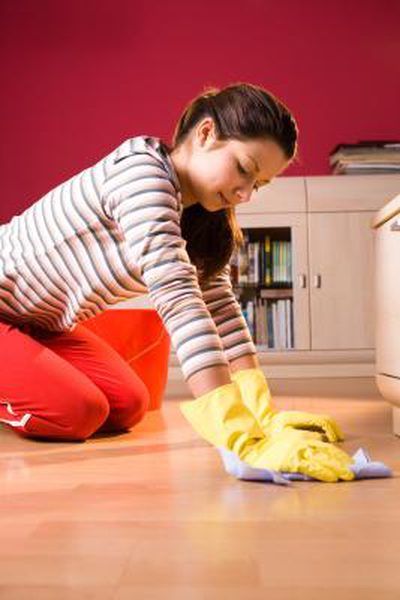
{"x": 262, "y": 262}
{"x": 282, "y": 267}
{"x": 270, "y": 322}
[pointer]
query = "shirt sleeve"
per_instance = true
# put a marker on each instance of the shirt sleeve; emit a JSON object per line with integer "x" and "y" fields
{"x": 228, "y": 316}
{"x": 140, "y": 197}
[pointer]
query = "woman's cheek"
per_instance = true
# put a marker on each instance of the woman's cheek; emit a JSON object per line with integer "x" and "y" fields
{"x": 220, "y": 180}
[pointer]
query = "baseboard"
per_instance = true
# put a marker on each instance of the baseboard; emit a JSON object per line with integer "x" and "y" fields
{"x": 293, "y": 371}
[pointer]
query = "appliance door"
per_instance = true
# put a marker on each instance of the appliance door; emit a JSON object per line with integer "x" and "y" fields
{"x": 387, "y": 295}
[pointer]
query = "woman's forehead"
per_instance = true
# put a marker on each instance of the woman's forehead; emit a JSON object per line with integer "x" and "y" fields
{"x": 265, "y": 156}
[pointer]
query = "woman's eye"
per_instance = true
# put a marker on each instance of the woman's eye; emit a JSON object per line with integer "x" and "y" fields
{"x": 241, "y": 170}
{"x": 244, "y": 172}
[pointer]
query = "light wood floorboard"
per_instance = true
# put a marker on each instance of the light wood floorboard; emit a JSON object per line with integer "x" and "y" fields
{"x": 151, "y": 514}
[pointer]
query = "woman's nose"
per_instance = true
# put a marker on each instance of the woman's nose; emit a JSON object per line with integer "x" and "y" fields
{"x": 243, "y": 195}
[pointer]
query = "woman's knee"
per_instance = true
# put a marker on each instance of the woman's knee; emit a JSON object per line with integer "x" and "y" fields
{"x": 76, "y": 418}
{"x": 89, "y": 414}
{"x": 130, "y": 407}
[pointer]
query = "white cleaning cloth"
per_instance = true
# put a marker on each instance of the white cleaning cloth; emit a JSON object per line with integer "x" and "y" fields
{"x": 363, "y": 468}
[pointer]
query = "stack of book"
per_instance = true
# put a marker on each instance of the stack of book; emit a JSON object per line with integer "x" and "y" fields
{"x": 270, "y": 322}
{"x": 369, "y": 156}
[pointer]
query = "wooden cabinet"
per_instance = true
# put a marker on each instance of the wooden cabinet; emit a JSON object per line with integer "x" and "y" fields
{"x": 340, "y": 210}
{"x": 341, "y": 264}
{"x": 333, "y": 253}
{"x": 332, "y": 276}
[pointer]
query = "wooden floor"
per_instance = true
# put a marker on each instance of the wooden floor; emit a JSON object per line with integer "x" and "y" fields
{"x": 152, "y": 514}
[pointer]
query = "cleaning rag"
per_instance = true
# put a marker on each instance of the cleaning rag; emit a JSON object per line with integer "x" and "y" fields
{"x": 363, "y": 468}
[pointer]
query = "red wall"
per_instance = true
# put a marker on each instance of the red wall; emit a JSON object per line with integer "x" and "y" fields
{"x": 80, "y": 76}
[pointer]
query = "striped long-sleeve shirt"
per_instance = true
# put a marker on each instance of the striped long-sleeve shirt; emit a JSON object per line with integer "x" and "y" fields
{"x": 109, "y": 233}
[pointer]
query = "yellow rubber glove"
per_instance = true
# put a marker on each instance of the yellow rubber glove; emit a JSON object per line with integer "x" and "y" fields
{"x": 297, "y": 451}
{"x": 257, "y": 397}
{"x": 221, "y": 418}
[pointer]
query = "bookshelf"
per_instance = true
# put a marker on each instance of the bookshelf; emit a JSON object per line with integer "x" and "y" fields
{"x": 261, "y": 274}
{"x": 269, "y": 278}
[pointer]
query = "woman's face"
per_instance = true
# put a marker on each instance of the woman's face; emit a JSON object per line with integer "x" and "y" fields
{"x": 221, "y": 173}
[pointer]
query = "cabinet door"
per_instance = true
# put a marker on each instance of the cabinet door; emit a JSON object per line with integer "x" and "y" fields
{"x": 297, "y": 222}
{"x": 341, "y": 250}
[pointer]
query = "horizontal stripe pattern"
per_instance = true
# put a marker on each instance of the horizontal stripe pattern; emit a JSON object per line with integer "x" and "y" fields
{"x": 228, "y": 316}
{"x": 110, "y": 233}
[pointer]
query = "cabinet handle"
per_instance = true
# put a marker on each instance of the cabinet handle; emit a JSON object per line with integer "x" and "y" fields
{"x": 302, "y": 280}
{"x": 395, "y": 226}
{"x": 317, "y": 281}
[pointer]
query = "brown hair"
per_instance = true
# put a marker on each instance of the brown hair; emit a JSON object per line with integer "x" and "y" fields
{"x": 240, "y": 111}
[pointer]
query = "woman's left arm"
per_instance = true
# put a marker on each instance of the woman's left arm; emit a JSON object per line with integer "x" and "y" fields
{"x": 248, "y": 361}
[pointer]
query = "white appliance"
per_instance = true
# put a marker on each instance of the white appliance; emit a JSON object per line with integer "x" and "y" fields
{"x": 387, "y": 296}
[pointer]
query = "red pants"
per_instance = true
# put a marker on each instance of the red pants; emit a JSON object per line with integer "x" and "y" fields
{"x": 66, "y": 385}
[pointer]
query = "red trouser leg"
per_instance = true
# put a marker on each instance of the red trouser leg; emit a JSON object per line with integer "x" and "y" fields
{"x": 126, "y": 393}
{"x": 65, "y": 385}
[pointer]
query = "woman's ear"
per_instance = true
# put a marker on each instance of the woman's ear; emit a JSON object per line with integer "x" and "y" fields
{"x": 205, "y": 132}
